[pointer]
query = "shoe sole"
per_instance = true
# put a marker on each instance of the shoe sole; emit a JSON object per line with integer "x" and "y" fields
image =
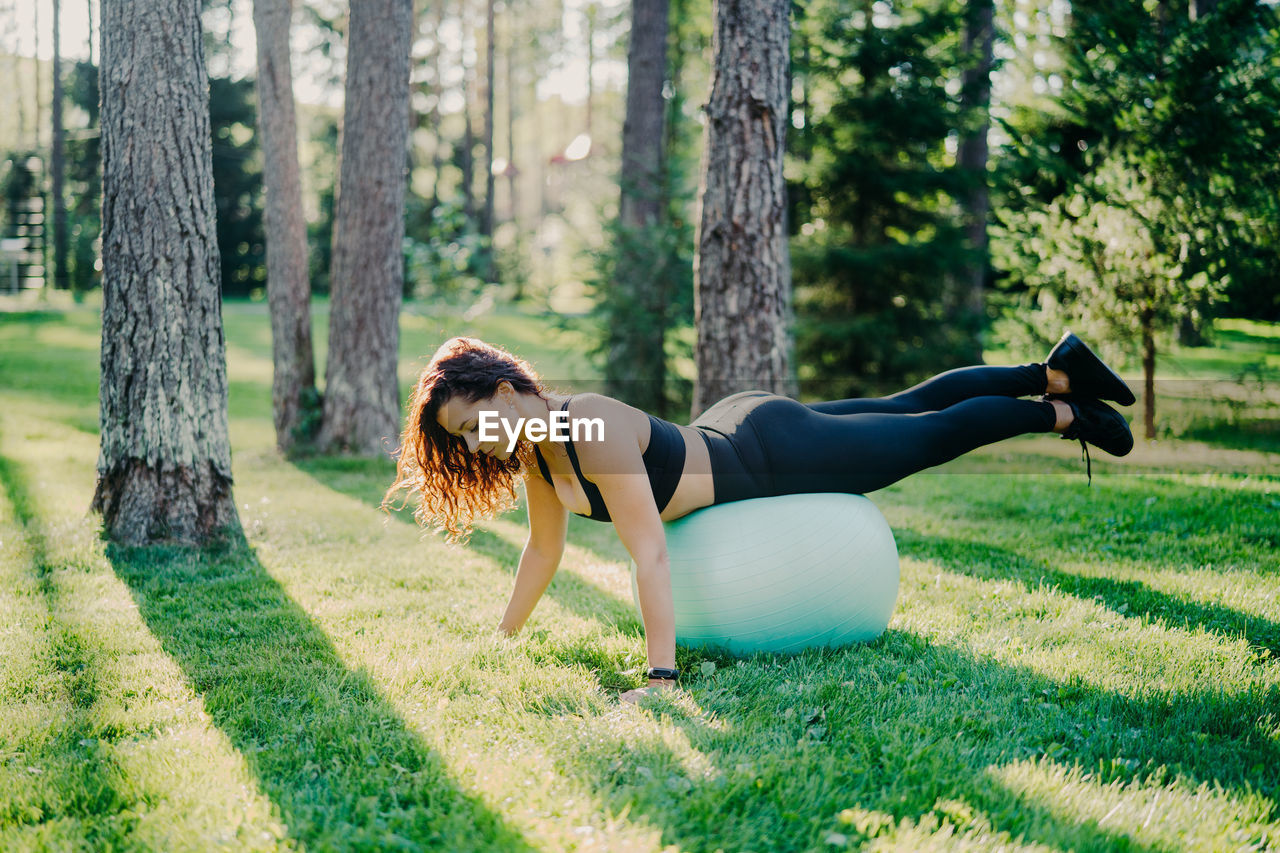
{"x": 1115, "y": 390}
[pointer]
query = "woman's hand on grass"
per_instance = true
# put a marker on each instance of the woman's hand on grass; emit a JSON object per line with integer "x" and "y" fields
{"x": 656, "y": 685}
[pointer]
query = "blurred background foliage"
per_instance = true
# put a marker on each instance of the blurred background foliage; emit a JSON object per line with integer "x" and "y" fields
{"x": 1133, "y": 185}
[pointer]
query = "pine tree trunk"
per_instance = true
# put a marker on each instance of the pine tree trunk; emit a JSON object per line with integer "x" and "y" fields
{"x": 643, "y": 129}
{"x": 742, "y": 293}
{"x": 1200, "y": 8}
{"x": 636, "y": 368}
{"x": 58, "y": 161}
{"x": 486, "y": 224}
{"x": 467, "y": 158}
{"x": 520, "y": 279}
{"x": 164, "y": 472}
{"x": 288, "y": 287}
{"x": 437, "y": 92}
{"x": 361, "y": 400}
{"x": 512, "y": 90}
{"x": 1149, "y": 375}
{"x": 979, "y": 41}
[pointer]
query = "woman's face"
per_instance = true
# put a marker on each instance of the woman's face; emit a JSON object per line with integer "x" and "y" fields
{"x": 461, "y": 417}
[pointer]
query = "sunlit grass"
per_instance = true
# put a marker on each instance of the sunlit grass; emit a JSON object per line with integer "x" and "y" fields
{"x": 1068, "y": 667}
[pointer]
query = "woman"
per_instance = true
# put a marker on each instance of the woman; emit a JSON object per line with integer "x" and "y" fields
{"x": 461, "y": 454}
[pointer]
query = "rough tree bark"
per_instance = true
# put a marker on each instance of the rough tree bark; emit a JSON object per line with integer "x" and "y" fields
{"x": 164, "y": 471}
{"x": 361, "y": 405}
{"x": 288, "y": 287}
{"x": 635, "y": 370}
{"x": 742, "y": 294}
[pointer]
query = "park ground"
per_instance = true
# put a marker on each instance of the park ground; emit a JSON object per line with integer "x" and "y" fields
{"x": 1068, "y": 667}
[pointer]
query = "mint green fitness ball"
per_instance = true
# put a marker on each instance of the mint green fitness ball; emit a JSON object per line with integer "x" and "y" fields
{"x": 781, "y": 574}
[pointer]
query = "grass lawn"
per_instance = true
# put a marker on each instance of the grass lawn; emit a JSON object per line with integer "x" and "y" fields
{"x": 1067, "y": 667}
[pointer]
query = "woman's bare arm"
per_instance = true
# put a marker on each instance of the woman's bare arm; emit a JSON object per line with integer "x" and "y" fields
{"x": 616, "y": 467}
{"x": 548, "y": 522}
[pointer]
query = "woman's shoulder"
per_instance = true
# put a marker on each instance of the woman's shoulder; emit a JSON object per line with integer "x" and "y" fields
{"x": 620, "y": 421}
{"x": 591, "y": 404}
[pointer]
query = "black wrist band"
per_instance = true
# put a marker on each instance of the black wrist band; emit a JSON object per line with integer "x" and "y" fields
{"x": 663, "y": 673}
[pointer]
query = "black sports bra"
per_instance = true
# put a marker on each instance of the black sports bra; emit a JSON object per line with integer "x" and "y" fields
{"x": 663, "y": 460}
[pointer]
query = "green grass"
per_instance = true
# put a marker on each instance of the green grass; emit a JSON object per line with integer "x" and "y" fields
{"x": 1067, "y": 667}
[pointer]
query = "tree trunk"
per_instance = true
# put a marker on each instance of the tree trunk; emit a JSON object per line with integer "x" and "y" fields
{"x": 1200, "y": 8}
{"x": 288, "y": 287}
{"x": 164, "y": 472}
{"x": 512, "y": 173}
{"x": 742, "y": 293}
{"x": 643, "y": 129}
{"x": 58, "y": 161}
{"x": 436, "y": 92}
{"x": 467, "y": 160}
{"x": 521, "y": 278}
{"x": 979, "y": 41}
{"x": 361, "y": 401}
{"x": 486, "y": 224}
{"x": 1149, "y": 375}
{"x": 635, "y": 370}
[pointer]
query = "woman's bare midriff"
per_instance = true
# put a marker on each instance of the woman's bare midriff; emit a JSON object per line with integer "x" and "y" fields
{"x": 695, "y": 489}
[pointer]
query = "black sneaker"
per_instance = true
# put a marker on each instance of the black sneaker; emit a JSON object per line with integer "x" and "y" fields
{"x": 1100, "y": 425}
{"x": 1089, "y": 376}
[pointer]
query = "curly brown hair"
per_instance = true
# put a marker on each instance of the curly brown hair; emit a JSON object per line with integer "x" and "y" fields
{"x": 453, "y": 486}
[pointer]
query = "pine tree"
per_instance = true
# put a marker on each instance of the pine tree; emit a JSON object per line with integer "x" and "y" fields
{"x": 881, "y": 236}
{"x": 293, "y": 390}
{"x": 743, "y": 286}
{"x": 361, "y": 400}
{"x": 1166, "y": 198}
{"x": 975, "y": 97}
{"x": 164, "y": 472}
{"x": 57, "y": 161}
{"x": 636, "y": 300}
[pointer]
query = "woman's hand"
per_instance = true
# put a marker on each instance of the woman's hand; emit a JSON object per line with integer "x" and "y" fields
{"x": 655, "y": 685}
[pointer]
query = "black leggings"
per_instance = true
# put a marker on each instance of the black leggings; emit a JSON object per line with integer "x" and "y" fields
{"x": 762, "y": 444}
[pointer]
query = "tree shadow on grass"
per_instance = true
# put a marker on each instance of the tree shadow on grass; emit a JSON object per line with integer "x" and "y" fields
{"x": 78, "y": 778}
{"x": 904, "y": 731}
{"x": 1126, "y": 597}
{"x": 332, "y": 754}
{"x": 366, "y": 481}
{"x": 1136, "y": 517}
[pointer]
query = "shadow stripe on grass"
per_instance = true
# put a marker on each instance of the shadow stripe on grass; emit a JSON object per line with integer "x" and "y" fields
{"x": 72, "y": 776}
{"x": 334, "y": 756}
{"x": 1124, "y": 597}
{"x": 910, "y": 729}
